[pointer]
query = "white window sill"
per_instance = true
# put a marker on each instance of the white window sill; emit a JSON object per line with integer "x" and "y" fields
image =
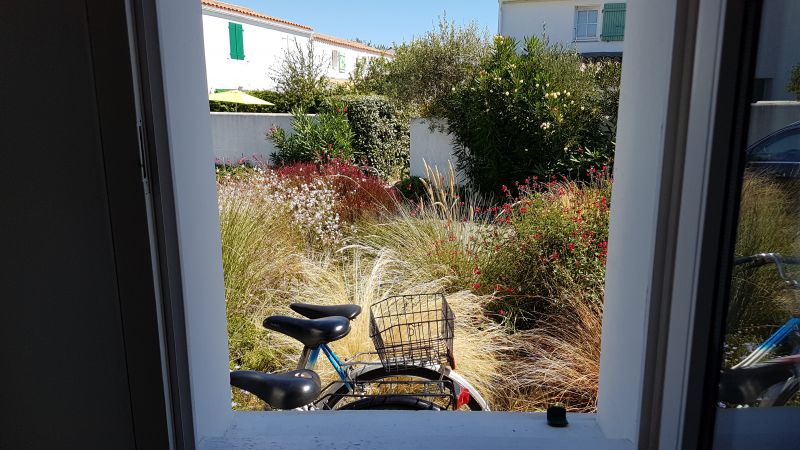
{"x": 396, "y": 430}
{"x": 587, "y": 40}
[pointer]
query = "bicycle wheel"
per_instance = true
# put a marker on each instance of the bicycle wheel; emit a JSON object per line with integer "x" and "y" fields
{"x": 391, "y": 402}
{"x": 381, "y": 374}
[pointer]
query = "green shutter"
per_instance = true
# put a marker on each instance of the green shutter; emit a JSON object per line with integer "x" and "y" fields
{"x": 232, "y": 39}
{"x": 239, "y": 41}
{"x": 613, "y": 21}
{"x": 236, "y": 42}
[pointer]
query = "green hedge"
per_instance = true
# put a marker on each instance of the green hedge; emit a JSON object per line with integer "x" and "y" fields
{"x": 382, "y": 133}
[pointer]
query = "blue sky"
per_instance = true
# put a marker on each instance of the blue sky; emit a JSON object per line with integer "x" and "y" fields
{"x": 378, "y": 21}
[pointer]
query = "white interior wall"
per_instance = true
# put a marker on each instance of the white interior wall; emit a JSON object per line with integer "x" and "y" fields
{"x": 184, "y": 76}
{"x": 646, "y": 71}
{"x": 556, "y": 19}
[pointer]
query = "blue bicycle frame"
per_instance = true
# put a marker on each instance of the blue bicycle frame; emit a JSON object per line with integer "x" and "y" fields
{"x": 773, "y": 341}
{"x": 313, "y": 355}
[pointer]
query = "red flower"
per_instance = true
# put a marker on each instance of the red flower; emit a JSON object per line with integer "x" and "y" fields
{"x": 505, "y": 188}
{"x": 571, "y": 246}
{"x": 476, "y": 270}
{"x": 510, "y": 290}
{"x": 502, "y": 312}
{"x": 523, "y": 210}
{"x": 476, "y": 286}
{"x": 477, "y": 210}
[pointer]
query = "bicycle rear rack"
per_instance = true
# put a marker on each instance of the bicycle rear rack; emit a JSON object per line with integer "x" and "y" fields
{"x": 439, "y": 392}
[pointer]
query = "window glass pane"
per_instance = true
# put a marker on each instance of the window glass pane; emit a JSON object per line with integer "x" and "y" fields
{"x": 581, "y": 31}
{"x": 762, "y": 340}
{"x": 592, "y": 17}
{"x": 591, "y": 30}
{"x": 582, "y": 17}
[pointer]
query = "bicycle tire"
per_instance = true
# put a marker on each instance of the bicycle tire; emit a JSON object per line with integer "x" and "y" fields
{"x": 391, "y": 402}
{"x": 413, "y": 371}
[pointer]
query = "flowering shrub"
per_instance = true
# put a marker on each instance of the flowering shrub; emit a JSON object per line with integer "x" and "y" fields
{"x": 315, "y": 138}
{"x": 312, "y": 204}
{"x": 542, "y": 112}
{"x": 550, "y": 238}
{"x": 358, "y": 195}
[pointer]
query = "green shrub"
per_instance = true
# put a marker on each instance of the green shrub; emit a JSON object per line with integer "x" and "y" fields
{"x": 794, "y": 81}
{"x": 542, "y": 112}
{"x": 381, "y": 133}
{"x": 412, "y": 188}
{"x": 216, "y": 106}
{"x": 316, "y": 138}
{"x": 551, "y": 241}
{"x": 301, "y": 78}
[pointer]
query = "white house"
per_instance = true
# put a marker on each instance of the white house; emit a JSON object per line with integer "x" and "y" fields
{"x": 243, "y": 47}
{"x": 593, "y": 28}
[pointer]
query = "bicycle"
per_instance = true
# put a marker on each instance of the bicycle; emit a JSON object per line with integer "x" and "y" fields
{"x": 414, "y": 368}
{"x": 759, "y": 381}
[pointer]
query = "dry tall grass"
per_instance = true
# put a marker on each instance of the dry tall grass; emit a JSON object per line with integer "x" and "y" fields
{"x": 559, "y": 361}
{"x": 429, "y": 247}
{"x": 767, "y": 223}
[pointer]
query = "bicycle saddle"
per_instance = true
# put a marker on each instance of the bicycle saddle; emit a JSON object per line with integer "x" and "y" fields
{"x": 311, "y": 332}
{"x": 280, "y": 391}
{"x": 319, "y": 311}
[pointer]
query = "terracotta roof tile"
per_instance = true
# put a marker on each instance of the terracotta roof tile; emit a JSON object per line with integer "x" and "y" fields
{"x": 251, "y": 13}
{"x": 351, "y": 44}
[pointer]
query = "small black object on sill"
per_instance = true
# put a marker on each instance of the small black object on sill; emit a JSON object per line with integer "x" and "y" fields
{"x": 557, "y": 416}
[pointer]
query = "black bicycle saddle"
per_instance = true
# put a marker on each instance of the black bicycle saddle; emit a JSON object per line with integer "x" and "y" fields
{"x": 311, "y": 332}
{"x": 280, "y": 391}
{"x": 319, "y": 311}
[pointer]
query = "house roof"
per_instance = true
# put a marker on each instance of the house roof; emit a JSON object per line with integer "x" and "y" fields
{"x": 249, "y": 12}
{"x": 316, "y": 36}
{"x": 348, "y": 43}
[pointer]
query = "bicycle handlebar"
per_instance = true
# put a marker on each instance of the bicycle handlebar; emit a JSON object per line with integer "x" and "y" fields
{"x": 761, "y": 259}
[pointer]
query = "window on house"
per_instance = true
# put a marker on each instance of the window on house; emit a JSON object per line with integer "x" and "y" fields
{"x": 342, "y": 63}
{"x": 236, "y": 41}
{"x": 613, "y": 21}
{"x": 586, "y": 23}
{"x": 335, "y": 59}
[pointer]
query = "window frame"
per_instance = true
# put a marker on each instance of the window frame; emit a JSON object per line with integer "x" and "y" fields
{"x": 634, "y": 357}
{"x": 588, "y": 8}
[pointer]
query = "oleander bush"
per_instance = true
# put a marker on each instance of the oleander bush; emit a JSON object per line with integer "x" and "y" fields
{"x": 541, "y": 112}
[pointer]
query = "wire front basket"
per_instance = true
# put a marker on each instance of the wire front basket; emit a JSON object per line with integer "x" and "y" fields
{"x": 412, "y": 330}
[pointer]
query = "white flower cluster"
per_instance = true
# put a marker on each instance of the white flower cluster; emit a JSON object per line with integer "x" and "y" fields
{"x": 312, "y": 204}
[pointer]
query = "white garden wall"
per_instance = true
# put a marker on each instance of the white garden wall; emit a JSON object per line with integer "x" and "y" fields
{"x": 431, "y": 146}
{"x": 237, "y": 135}
{"x": 766, "y": 117}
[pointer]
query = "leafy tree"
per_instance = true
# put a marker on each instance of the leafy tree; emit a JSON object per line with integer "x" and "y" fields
{"x": 423, "y": 73}
{"x": 301, "y": 78}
